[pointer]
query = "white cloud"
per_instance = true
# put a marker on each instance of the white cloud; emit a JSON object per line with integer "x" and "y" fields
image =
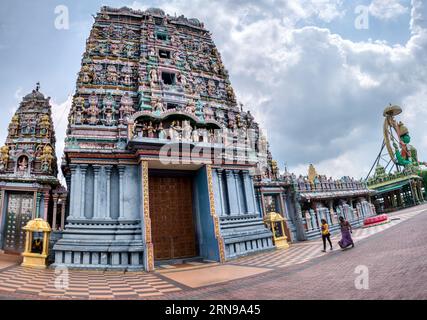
{"x": 60, "y": 113}
{"x": 387, "y": 9}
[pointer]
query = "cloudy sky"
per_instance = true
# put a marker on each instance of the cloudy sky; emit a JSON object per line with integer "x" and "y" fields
{"x": 315, "y": 73}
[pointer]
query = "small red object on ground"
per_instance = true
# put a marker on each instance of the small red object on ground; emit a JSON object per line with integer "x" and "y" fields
{"x": 374, "y": 221}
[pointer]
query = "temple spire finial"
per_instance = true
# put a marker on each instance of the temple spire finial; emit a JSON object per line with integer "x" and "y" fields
{"x": 37, "y": 86}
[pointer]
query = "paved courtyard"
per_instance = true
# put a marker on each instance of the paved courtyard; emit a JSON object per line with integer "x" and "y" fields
{"x": 394, "y": 255}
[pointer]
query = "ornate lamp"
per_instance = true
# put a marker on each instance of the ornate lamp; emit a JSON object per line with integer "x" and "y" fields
{"x": 276, "y": 223}
{"x": 36, "y": 244}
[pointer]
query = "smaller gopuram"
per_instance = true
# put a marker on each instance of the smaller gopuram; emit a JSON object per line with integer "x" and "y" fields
{"x": 303, "y": 201}
{"x": 397, "y": 182}
{"x": 29, "y": 187}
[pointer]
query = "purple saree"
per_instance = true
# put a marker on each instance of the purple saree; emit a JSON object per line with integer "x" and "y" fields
{"x": 346, "y": 239}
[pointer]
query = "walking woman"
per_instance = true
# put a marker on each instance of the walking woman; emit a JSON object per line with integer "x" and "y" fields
{"x": 346, "y": 231}
{"x": 325, "y": 234}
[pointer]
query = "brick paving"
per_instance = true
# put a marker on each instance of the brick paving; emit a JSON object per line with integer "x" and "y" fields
{"x": 396, "y": 259}
{"x": 395, "y": 254}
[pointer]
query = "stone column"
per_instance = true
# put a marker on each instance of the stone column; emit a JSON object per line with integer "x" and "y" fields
{"x": 106, "y": 213}
{"x": 252, "y": 188}
{"x": 232, "y": 201}
{"x": 55, "y": 211}
{"x": 63, "y": 207}
{"x": 38, "y": 198}
{"x": 238, "y": 190}
{"x": 81, "y": 211}
{"x": 96, "y": 195}
{"x": 46, "y": 205}
{"x": 249, "y": 193}
{"x": 220, "y": 191}
{"x": 122, "y": 195}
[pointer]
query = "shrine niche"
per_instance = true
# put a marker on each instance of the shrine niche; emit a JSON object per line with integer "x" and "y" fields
{"x": 175, "y": 127}
{"x": 28, "y": 170}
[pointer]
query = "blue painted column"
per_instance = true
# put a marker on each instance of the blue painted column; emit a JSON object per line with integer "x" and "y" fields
{"x": 232, "y": 196}
{"x": 217, "y": 191}
{"x": 73, "y": 193}
{"x": 96, "y": 193}
{"x": 81, "y": 210}
{"x": 249, "y": 193}
{"x": 106, "y": 211}
{"x": 121, "y": 190}
{"x": 238, "y": 191}
{"x": 221, "y": 191}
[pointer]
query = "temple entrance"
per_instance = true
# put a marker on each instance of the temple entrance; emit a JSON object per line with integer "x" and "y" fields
{"x": 18, "y": 212}
{"x": 171, "y": 212}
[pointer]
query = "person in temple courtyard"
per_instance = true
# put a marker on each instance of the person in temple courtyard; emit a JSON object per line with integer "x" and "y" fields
{"x": 346, "y": 231}
{"x": 325, "y": 235}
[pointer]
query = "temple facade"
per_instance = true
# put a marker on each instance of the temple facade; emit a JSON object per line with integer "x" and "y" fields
{"x": 29, "y": 187}
{"x": 159, "y": 157}
{"x": 303, "y": 201}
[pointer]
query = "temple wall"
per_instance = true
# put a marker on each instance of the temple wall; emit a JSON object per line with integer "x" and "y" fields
{"x": 241, "y": 223}
{"x": 104, "y": 226}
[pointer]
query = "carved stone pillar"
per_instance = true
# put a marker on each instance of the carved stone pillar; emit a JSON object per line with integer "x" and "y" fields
{"x": 221, "y": 191}
{"x": 96, "y": 193}
{"x": 63, "y": 207}
{"x": 249, "y": 193}
{"x": 82, "y": 194}
{"x": 238, "y": 191}
{"x": 55, "y": 211}
{"x": 232, "y": 196}
{"x": 106, "y": 211}
{"x": 122, "y": 195}
{"x": 46, "y": 205}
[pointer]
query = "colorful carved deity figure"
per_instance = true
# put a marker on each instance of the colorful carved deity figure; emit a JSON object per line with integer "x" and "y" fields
{"x": 14, "y": 126}
{"x": 191, "y": 107}
{"x": 231, "y": 120}
{"x": 112, "y": 75}
{"x": 45, "y": 126}
{"x": 209, "y": 113}
{"x": 46, "y": 158}
{"x": 175, "y": 131}
{"x": 93, "y": 110}
{"x": 126, "y": 107}
{"x": 211, "y": 87}
{"x": 4, "y": 157}
{"x": 230, "y": 93}
{"x": 153, "y": 77}
{"x": 186, "y": 131}
{"x": 22, "y": 165}
{"x": 86, "y": 75}
{"x": 127, "y": 75}
{"x": 158, "y": 105}
{"x": 28, "y": 126}
{"x": 150, "y": 130}
{"x": 109, "y": 110}
{"x": 161, "y": 131}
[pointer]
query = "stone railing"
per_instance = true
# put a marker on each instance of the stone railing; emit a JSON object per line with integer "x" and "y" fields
{"x": 303, "y": 184}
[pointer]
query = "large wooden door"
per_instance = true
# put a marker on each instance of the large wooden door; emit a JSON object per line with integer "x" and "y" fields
{"x": 19, "y": 212}
{"x": 171, "y": 212}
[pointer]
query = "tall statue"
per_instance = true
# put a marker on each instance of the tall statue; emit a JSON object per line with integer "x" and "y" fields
{"x": 397, "y": 134}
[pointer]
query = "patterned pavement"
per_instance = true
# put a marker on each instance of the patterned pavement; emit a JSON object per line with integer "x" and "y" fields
{"x": 16, "y": 281}
{"x": 305, "y": 251}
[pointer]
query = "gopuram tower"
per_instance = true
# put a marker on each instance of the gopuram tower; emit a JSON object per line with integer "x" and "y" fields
{"x": 29, "y": 187}
{"x": 159, "y": 158}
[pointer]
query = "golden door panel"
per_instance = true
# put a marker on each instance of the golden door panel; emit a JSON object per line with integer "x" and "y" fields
{"x": 19, "y": 212}
{"x": 171, "y": 212}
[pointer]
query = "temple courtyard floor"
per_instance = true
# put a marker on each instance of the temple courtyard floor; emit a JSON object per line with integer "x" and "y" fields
{"x": 388, "y": 262}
